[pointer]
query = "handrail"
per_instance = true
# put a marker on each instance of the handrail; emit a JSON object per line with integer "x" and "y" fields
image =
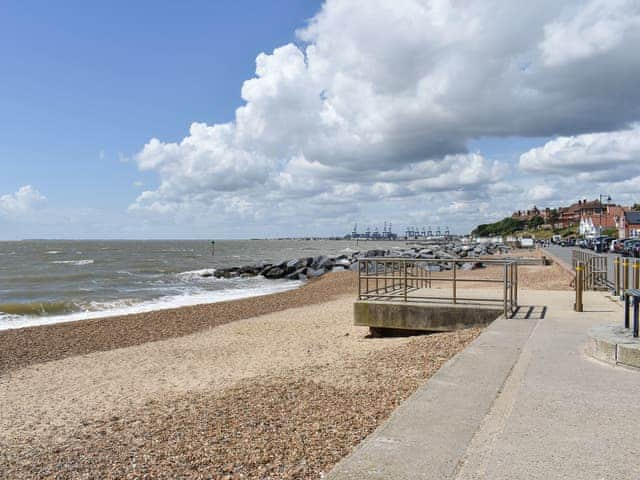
{"x": 596, "y": 274}
{"x": 409, "y": 279}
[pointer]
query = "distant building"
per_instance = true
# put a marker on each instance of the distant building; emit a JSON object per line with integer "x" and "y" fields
{"x": 629, "y": 226}
{"x": 609, "y": 217}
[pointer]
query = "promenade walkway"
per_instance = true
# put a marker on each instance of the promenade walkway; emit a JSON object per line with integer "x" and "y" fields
{"x": 524, "y": 401}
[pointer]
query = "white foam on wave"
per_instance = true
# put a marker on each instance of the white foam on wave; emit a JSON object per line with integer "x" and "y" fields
{"x": 85, "y": 261}
{"x": 129, "y": 306}
{"x": 53, "y": 252}
{"x": 195, "y": 274}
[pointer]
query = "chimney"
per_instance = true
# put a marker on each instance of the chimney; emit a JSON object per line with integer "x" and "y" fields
{"x": 579, "y": 202}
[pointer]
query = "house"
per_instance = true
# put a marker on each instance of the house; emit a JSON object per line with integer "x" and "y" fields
{"x": 629, "y": 225}
{"x": 610, "y": 217}
{"x": 573, "y": 214}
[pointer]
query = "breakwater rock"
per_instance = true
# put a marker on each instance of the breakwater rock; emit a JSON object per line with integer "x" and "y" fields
{"x": 312, "y": 267}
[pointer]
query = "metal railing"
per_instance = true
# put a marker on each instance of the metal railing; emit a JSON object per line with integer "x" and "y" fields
{"x": 626, "y": 274}
{"x": 415, "y": 280}
{"x": 594, "y": 275}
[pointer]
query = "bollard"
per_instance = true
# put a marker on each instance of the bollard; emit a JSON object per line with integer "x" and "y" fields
{"x": 625, "y": 275}
{"x": 578, "y": 307}
{"x": 616, "y": 263}
{"x": 636, "y": 274}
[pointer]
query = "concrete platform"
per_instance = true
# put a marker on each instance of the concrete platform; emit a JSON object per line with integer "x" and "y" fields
{"x": 523, "y": 401}
{"x": 421, "y": 316}
{"x": 614, "y": 344}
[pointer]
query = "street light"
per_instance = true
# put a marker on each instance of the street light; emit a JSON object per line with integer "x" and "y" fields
{"x": 608, "y": 198}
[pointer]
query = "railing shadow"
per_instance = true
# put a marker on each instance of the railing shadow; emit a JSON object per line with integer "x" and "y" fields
{"x": 530, "y": 312}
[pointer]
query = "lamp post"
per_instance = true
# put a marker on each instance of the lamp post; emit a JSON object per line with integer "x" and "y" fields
{"x": 608, "y": 198}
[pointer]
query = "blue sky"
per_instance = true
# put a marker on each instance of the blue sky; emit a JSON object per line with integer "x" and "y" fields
{"x": 80, "y": 78}
{"x": 233, "y": 119}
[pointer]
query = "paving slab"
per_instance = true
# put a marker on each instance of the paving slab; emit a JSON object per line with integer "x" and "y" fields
{"x": 524, "y": 401}
{"x": 568, "y": 416}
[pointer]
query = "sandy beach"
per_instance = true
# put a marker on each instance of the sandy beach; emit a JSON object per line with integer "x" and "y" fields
{"x": 280, "y": 386}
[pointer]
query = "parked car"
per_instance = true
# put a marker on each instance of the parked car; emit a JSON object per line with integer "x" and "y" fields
{"x": 630, "y": 248}
{"x": 618, "y": 246}
{"x": 601, "y": 244}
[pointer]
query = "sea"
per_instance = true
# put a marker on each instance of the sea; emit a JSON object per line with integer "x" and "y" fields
{"x": 51, "y": 281}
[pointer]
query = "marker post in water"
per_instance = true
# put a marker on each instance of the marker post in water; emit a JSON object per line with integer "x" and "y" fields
{"x": 213, "y": 247}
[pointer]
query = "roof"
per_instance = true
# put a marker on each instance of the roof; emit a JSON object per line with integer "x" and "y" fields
{"x": 632, "y": 217}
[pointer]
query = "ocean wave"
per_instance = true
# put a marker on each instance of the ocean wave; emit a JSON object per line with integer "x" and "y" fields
{"x": 38, "y": 308}
{"x": 196, "y": 274}
{"x": 53, "y": 252}
{"x": 11, "y": 320}
{"x": 85, "y": 261}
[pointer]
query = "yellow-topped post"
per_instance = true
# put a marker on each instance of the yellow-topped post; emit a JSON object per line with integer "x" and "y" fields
{"x": 616, "y": 263}
{"x": 579, "y": 278}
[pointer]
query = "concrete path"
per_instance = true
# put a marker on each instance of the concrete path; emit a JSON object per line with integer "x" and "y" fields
{"x": 522, "y": 402}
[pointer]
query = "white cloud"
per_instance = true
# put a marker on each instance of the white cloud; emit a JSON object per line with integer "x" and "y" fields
{"x": 541, "y": 192}
{"x": 595, "y": 28}
{"x": 597, "y": 156}
{"x": 375, "y": 107}
{"x": 22, "y": 202}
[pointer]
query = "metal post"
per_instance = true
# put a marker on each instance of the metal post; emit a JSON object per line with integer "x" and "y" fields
{"x": 504, "y": 283}
{"x": 635, "y": 317}
{"x": 625, "y": 273}
{"x": 359, "y": 280}
{"x": 616, "y": 263}
{"x": 511, "y": 287}
{"x": 578, "y": 307}
{"x": 404, "y": 265}
{"x": 377, "y": 275}
{"x": 454, "y": 282}
{"x": 366, "y": 277}
{"x": 516, "y": 291}
{"x": 626, "y": 310}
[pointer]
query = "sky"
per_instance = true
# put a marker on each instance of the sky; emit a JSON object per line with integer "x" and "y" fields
{"x": 243, "y": 119}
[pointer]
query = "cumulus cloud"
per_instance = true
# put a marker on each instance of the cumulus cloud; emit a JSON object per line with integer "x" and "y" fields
{"x": 594, "y": 29}
{"x": 379, "y": 103}
{"x": 23, "y": 201}
{"x": 597, "y": 156}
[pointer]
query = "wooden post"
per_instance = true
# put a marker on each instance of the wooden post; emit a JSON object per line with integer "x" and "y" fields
{"x": 616, "y": 263}
{"x": 625, "y": 273}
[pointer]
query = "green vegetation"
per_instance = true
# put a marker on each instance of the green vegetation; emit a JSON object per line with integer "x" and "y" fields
{"x": 610, "y": 232}
{"x": 506, "y": 226}
{"x": 509, "y": 226}
{"x": 636, "y": 207}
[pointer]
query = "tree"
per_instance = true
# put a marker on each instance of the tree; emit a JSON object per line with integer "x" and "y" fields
{"x": 536, "y": 221}
{"x": 636, "y": 207}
